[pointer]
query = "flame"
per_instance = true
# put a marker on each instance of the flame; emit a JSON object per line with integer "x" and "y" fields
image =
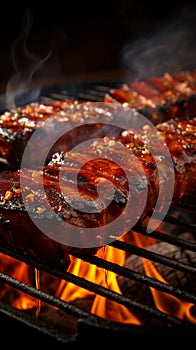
{"x": 20, "y": 271}
{"x": 164, "y": 302}
{"x": 101, "y": 306}
{"x": 106, "y": 308}
{"x": 168, "y": 303}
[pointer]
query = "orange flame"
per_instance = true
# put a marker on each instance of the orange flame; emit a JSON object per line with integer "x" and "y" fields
{"x": 168, "y": 303}
{"x": 101, "y": 306}
{"x": 20, "y": 271}
{"x": 163, "y": 301}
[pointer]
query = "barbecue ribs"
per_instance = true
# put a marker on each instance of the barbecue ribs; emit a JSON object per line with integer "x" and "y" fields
{"x": 89, "y": 187}
{"x": 158, "y": 99}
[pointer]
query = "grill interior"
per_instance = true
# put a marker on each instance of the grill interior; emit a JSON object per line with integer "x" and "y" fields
{"x": 88, "y": 323}
{"x": 82, "y": 91}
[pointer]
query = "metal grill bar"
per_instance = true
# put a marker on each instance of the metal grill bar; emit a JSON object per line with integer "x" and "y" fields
{"x": 166, "y": 238}
{"x": 154, "y": 257}
{"x": 35, "y": 323}
{"x": 94, "y": 92}
{"x": 136, "y": 276}
{"x": 174, "y": 221}
{"x": 118, "y": 270}
{"x": 152, "y": 312}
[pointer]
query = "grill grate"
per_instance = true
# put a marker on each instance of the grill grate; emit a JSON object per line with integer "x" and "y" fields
{"x": 96, "y": 92}
{"x": 168, "y": 320}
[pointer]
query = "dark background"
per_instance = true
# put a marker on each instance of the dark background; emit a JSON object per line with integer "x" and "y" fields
{"x": 62, "y": 39}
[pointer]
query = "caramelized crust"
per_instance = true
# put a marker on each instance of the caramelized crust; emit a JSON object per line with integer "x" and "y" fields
{"x": 180, "y": 141}
{"x": 180, "y": 138}
{"x": 71, "y": 180}
{"x": 17, "y": 127}
{"x": 45, "y": 237}
{"x": 159, "y": 98}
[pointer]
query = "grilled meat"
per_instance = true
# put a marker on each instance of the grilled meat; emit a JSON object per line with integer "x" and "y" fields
{"x": 159, "y": 98}
{"x": 77, "y": 190}
{"x": 180, "y": 139}
{"x": 70, "y": 184}
{"x": 74, "y": 186}
{"x": 41, "y": 223}
{"x": 17, "y": 126}
{"x": 145, "y": 150}
{"x": 49, "y": 118}
{"x": 128, "y": 171}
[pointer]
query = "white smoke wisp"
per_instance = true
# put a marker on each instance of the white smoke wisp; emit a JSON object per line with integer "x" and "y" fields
{"x": 31, "y": 70}
{"x": 170, "y": 48}
{"x": 20, "y": 83}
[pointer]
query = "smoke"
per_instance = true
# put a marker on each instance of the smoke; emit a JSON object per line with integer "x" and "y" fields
{"x": 169, "y": 48}
{"x": 21, "y": 87}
